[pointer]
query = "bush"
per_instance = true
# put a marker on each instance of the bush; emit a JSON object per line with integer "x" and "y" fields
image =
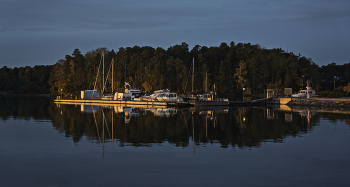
{"x": 333, "y": 94}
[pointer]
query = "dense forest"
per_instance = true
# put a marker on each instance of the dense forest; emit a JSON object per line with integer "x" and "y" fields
{"x": 230, "y": 67}
{"x": 25, "y": 80}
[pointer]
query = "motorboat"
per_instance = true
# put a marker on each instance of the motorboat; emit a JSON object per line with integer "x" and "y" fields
{"x": 156, "y": 97}
{"x": 165, "y": 95}
{"x": 210, "y": 99}
{"x": 128, "y": 93}
{"x": 136, "y": 94}
{"x": 303, "y": 93}
{"x": 205, "y": 97}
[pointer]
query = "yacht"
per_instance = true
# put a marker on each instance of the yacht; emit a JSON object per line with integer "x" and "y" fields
{"x": 136, "y": 94}
{"x": 128, "y": 93}
{"x": 165, "y": 95}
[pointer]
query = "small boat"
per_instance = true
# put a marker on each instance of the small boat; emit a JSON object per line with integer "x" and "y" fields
{"x": 157, "y": 97}
{"x": 205, "y": 97}
{"x": 136, "y": 94}
{"x": 210, "y": 99}
{"x": 165, "y": 95}
{"x": 128, "y": 93}
{"x": 303, "y": 93}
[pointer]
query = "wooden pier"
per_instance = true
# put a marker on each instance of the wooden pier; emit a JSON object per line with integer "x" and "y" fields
{"x": 121, "y": 102}
{"x": 177, "y": 104}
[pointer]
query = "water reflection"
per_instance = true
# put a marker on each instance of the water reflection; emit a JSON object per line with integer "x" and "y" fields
{"x": 34, "y": 150}
{"x": 244, "y": 127}
{"x": 26, "y": 108}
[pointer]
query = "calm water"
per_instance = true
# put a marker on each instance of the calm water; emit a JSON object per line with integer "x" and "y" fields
{"x": 45, "y": 144}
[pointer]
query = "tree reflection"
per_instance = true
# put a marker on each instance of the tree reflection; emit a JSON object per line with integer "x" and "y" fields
{"x": 243, "y": 127}
{"x": 24, "y": 108}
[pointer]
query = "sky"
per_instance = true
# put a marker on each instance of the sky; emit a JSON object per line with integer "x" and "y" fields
{"x": 41, "y": 32}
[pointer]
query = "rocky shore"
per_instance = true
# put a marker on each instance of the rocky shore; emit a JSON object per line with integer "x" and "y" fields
{"x": 321, "y": 103}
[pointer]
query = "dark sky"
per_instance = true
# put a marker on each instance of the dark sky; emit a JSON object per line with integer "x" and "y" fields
{"x": 41, "y": 32}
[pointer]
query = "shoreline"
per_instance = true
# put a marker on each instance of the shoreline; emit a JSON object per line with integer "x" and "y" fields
{"x": 320, "y": 103}
{"x": 24, "y": 95}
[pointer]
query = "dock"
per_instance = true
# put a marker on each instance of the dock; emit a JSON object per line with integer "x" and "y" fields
{"x": 121, "y": 102}
{"x": 191, "y": 103}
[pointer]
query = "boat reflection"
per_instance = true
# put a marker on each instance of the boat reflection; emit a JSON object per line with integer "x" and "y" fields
{"x": 163, "y": 112}
{"x": 128, "y": 112}
{"x": 134, "y": 111}
{"x": 242, "y": 127}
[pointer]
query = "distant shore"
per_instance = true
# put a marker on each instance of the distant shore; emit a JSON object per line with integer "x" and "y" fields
{"x": 24, "y": 95}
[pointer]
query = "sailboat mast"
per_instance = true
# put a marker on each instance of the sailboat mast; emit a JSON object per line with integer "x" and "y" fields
{"x": 103, "y": 73}
{"x": 112, "y": 73}
{"x": 192, "y": 74}
{"x": 206, "y": 82}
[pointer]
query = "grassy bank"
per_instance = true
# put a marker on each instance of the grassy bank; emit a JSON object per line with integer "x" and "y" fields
{"x": 333, "y": 94}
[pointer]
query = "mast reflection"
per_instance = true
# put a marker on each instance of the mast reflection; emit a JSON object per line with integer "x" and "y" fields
{"x": 242, "y": 127}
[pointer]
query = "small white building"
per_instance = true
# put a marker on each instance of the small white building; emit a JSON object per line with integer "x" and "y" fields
{"x": 89, "y": 94}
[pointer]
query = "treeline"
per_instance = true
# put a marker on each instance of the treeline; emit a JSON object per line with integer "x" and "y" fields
{"x": 230, "y": 67}
{"x": 336, "y": 76}
{"x": 26, "y": 80}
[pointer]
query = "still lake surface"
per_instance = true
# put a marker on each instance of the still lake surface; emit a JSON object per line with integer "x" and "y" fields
{"x": 47, "y": 144}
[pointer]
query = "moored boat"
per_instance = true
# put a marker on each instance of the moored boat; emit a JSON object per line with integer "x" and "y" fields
{"x": 303, "y": 93}
{"x": 165, "y": 95}
{"x": 128, "y": 93}
{"x": 210, "y": 99}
